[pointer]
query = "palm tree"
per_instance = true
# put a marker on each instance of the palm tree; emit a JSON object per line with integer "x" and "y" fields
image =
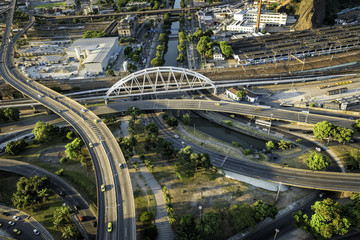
{"x": 68, "y": 232}
{"x": 168, "y": 197}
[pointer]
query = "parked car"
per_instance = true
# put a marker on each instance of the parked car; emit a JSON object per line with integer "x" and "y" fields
{"x": 36, "y": 232}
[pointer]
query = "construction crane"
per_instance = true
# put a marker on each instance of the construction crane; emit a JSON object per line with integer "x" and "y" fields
{"x": 258, "y": 16}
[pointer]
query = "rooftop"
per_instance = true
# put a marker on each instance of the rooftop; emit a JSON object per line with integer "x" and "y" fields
{"x": 98, "y": 48}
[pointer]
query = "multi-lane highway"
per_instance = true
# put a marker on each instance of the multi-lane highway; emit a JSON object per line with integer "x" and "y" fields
{"x": 116, "y": 203}
{"x": 227, "y": 107}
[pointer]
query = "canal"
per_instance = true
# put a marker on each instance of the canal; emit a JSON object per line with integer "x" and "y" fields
{"x": 172, "y": 51}
{"x": 217, "y": 131}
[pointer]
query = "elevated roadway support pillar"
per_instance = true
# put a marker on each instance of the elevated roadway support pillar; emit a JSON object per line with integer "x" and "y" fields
{"x": 215, "y": 91}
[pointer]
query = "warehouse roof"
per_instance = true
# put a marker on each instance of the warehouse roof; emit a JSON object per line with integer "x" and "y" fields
{"x": 97, "y": 48}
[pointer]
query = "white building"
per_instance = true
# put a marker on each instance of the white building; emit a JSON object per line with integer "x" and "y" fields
{"x": 218, "y": 56}
{"x": 266, "y": 17}
{"x": 244, "y": 27}
{"x": 231, "y": 93}
{"x": 95, "y": 52}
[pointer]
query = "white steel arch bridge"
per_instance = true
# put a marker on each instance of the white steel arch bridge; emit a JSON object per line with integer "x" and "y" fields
{"x": 159, "y": 80}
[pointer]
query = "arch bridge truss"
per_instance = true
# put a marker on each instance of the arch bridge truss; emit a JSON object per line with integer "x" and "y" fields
{"x": 159, "y": 80}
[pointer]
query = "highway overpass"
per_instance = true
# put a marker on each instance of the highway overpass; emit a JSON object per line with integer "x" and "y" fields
{"x": 116, "y": 204}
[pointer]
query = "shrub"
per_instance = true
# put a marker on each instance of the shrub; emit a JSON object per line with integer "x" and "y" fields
{"x": 60, "y": 172}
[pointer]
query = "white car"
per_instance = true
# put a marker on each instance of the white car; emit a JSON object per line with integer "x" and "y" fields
{"x": 40, "y": 96}
{"x": 318, "y": 149}
{"x": 176, "y": 136}
{"x": 16, "y": 218}
{"x": 11, "y": 223}
{"x": 36, "y": 232}
{"x": 84, "y": 110}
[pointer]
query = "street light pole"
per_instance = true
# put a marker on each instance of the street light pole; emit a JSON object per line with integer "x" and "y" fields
{"x": 270, "y": 124}
{"x": 200, "y": 207}
{"x": 276, "y": 232}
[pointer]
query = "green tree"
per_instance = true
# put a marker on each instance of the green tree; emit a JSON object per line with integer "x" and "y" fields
{"x": 70, "y": 135}
{"x": 353, "y": 159}
{"x": 147, "y": 217}
{"x": 283, "y": 145}
{"x": 157, "y": 61}
{"x": 241, "y": 94}
{"x": 352, "y": 211}
{"x": 15, "y": 147}
{"x": 68, "y": 232}
{"x": 328, "y": 219}
{"x": 163, "y": 37}
{"x": 301, "y": 220}
{"x": 242, "y": 217}
{"x": 323, "y": 130}
{"x": 209, "y": 225}
{"x": 12, "y": 113}
{"x": 152, "y": 128}
{"x": 187, "y": 229}
{"x": 61, "y": 217}
{"x": 317, "y": 161}
{"x": 186, "y": 119}
{"x": 151, "y": 232}
{"x": 203, "y": 46}
{"x": 42, "y": 131}
{"x": 160, "y": 48}
{"x": 343, "y": 134}
{"x": 270, "y": 145}
{"x": 73, "y": 149}
{"x": 226, "y": 49}
{"x": 264, "y": 210}
{"x": 31, "y": 191}
{"x": 110, "y": 119}
{"x": 2, "y": 116}
{"x": 356, "y": 124}
{"x": 180, "y": 58}
{"x": 198, "y": 33}
{"x": 181, "y": 47}
{"x": 110, "y": 72}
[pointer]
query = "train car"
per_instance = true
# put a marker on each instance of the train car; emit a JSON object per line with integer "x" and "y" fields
{"x": 337, "y": 91}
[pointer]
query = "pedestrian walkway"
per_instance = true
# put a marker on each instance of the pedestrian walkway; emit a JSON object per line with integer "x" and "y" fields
{"x": 165, "y": 231}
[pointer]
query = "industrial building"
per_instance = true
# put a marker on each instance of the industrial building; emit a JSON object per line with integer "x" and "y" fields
{"x": 94, "y": 53}
{"x": 243, "y": 27}
{"x": 266, "y": 17}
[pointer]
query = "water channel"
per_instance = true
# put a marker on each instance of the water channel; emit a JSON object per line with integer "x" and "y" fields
{"x": 172, "y": 51}
{"x": 217, "y": 131}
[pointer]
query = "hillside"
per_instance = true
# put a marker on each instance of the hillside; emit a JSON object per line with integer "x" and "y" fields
{"x": 311, "y": 14}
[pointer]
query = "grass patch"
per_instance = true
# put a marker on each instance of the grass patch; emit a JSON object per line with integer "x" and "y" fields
{"x": 296, "y": 162}
{"x": 44, "y": 214}
{"x": 341, "y": 151}
{"x": 8, "y": 186}
{"x": 198, "y": 138}
{"x": 49, "y": 5}
{"x": 80, "y": 177}
{"x": 288, "y": 152}
{"x": 144, "y": 201}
